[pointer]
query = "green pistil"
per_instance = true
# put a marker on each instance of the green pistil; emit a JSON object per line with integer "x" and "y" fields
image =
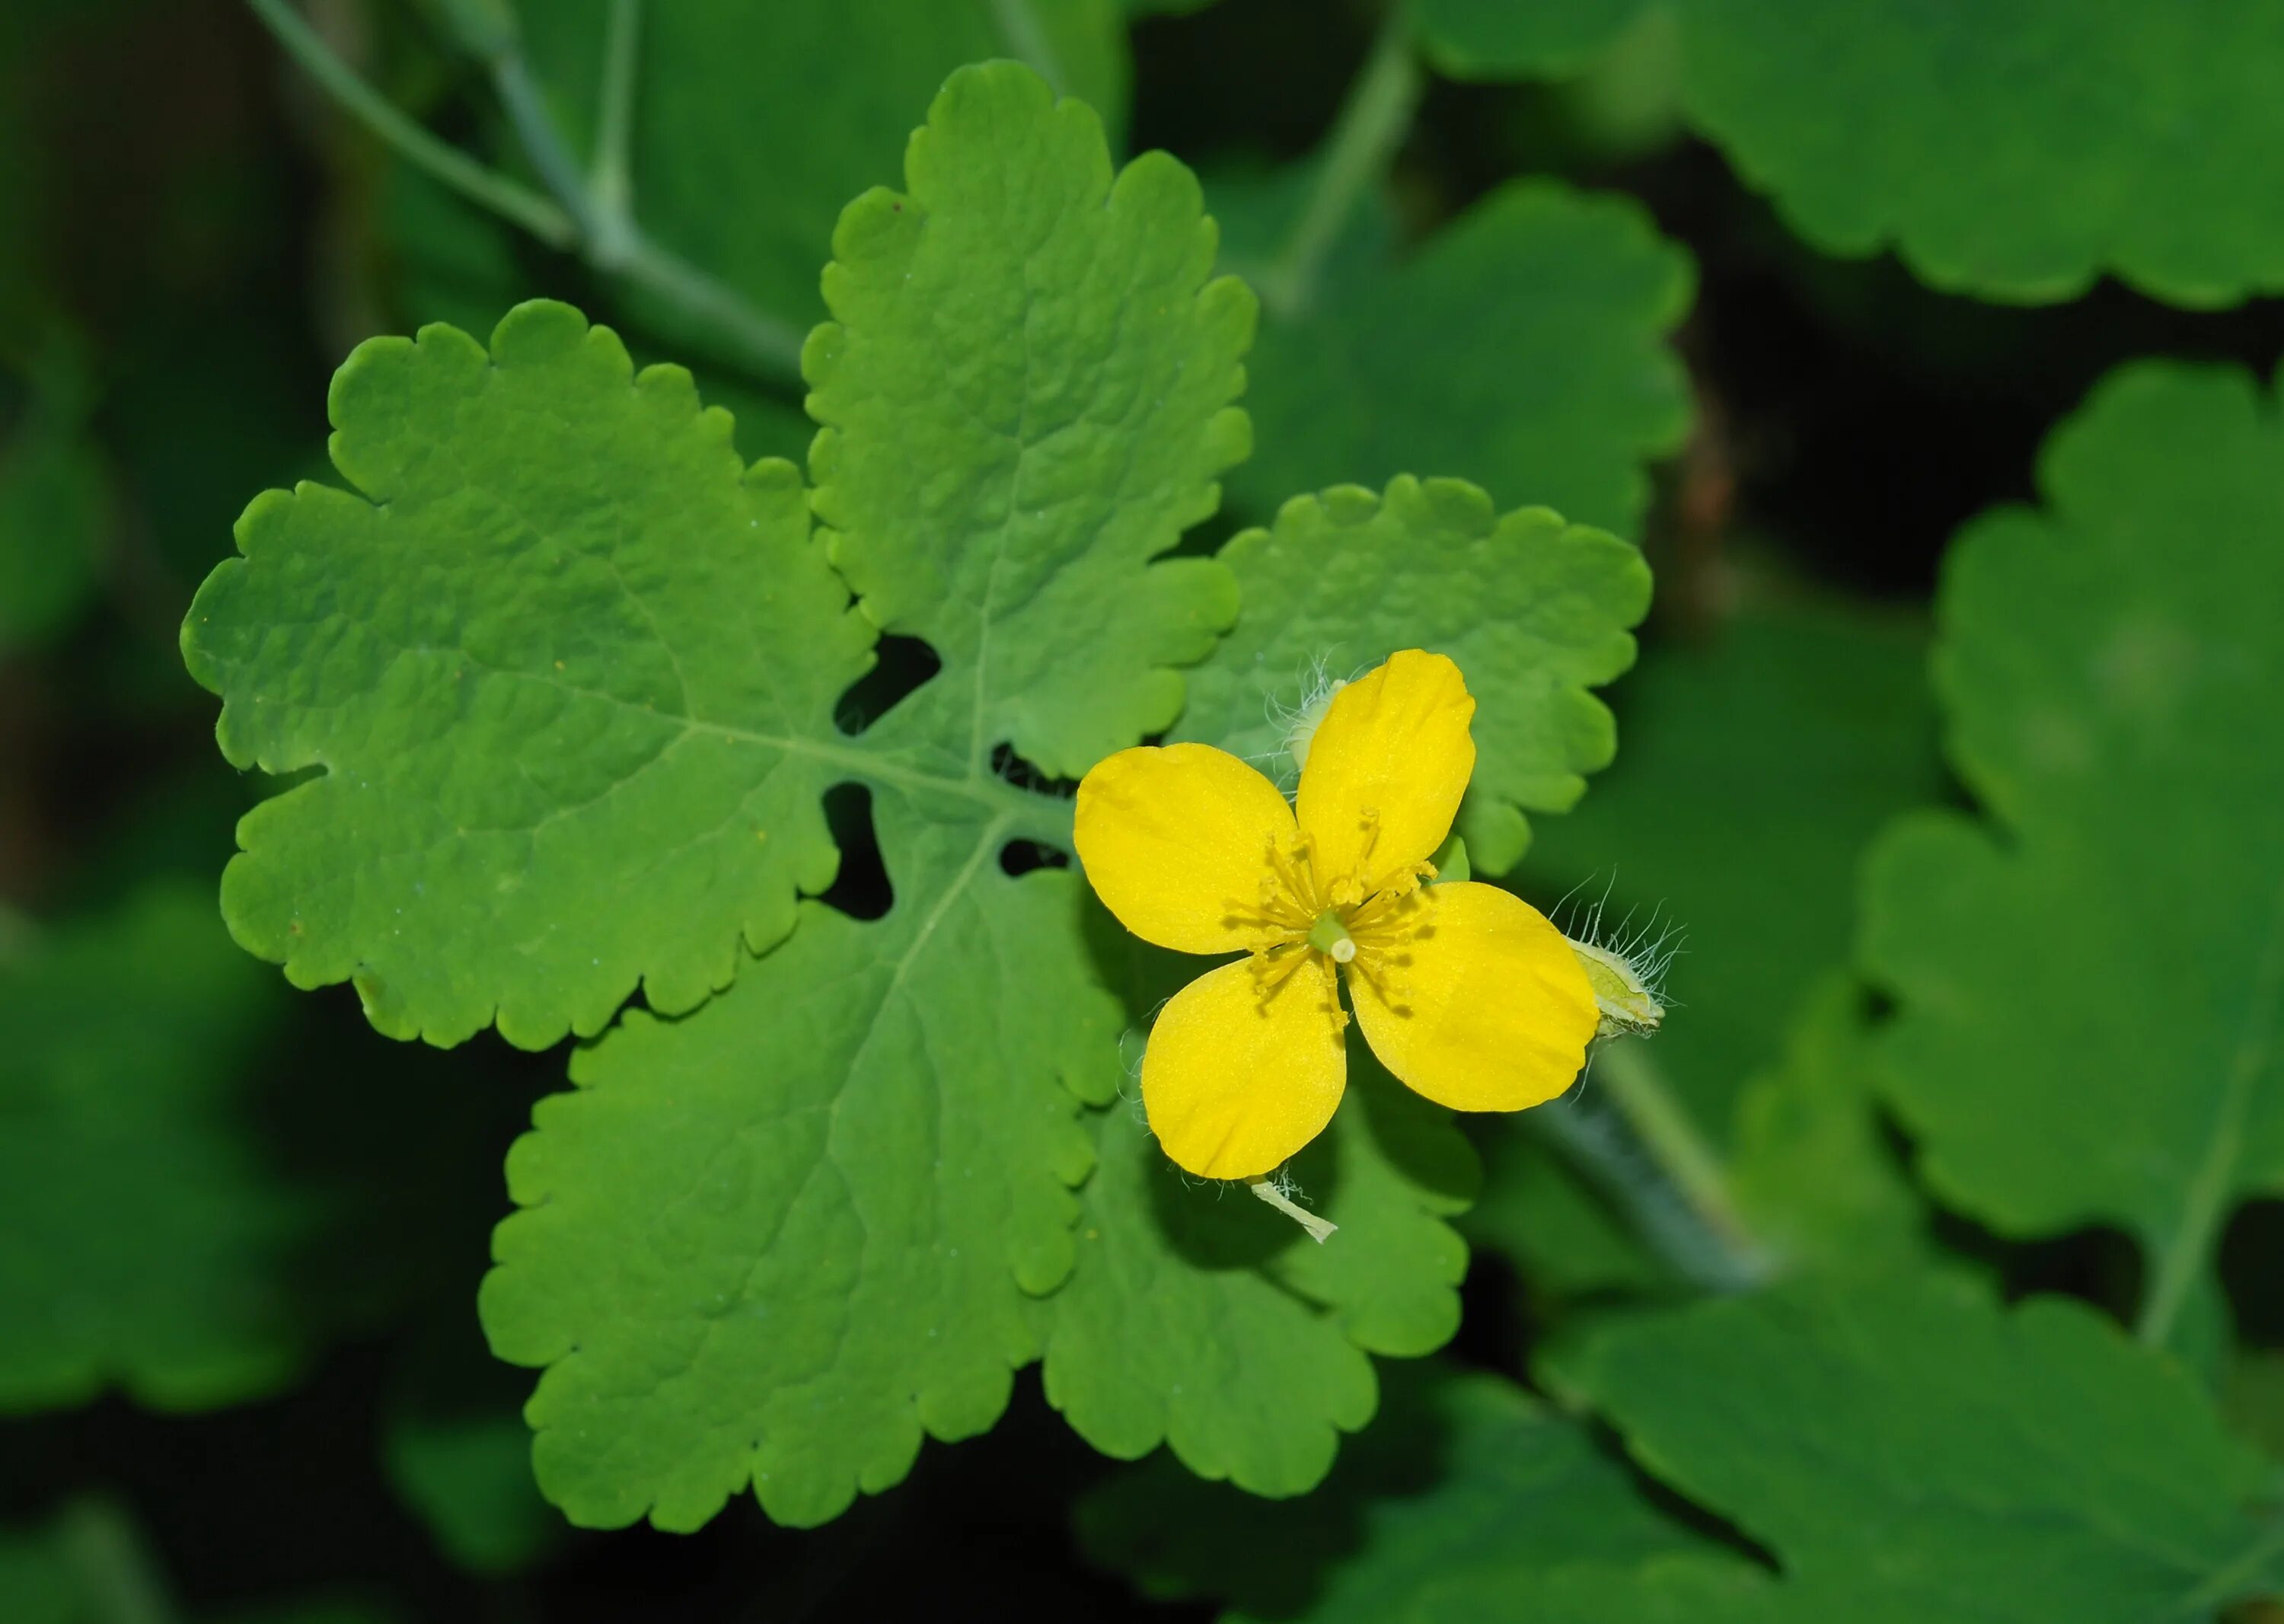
{"x": 1329, "y": 935}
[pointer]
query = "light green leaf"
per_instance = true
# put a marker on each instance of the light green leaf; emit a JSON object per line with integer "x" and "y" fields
{"x": 1535, "y": 612}
{"x": 1500, "y": 39}
{"x": 2090, "y": 979}
{"x": 555, "y": 760}
{"x": 1026, "y": 392}
{"x": 1467, "y": 1501}
{"x": 1911, "y": 1451}
{"x": 1521, "y": 347}
{"x": 780, "y": 1239}
{"x": 144, "y": 1244}
{"x": 754, "y": 124}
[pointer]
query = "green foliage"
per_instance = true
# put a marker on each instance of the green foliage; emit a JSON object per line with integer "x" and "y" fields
{"x": 1467, "y": 1488}
{"x": 468, "y": 1477}
{"x": 754, "y": 124}
{"x": 782, "y": 1236}
{"x": 1201, "y": 1318}
{"x": 1910, "y": 1451}
{"x": 2014, "y": 149}
{"x": 1906, "y": 1449}
{"x": 1519, "y": 346}
{"x": 1757, "y": 765}
{"x": 144, "y": 1243}
{"x": 1026, "y": 394}
{"x": 53, "y": 501}
{"x": 2090, "y": 978}
{"x": 1535, "y": 611}
{"x": 552, "y": 766}
{"x": 89, "y": 1565}
{"x": 1496, "y": 39}
{"x": 833, "y": 1189}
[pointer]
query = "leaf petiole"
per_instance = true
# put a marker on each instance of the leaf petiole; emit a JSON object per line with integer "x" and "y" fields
{"x": 592, "y": 219}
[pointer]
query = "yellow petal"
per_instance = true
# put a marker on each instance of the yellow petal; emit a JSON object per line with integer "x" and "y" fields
{"x": 1483, "y": 1008}
{"x": 1235, "y": 1079}
{"x": 1175, "y": 843}
{"x": 1386, "y": 769}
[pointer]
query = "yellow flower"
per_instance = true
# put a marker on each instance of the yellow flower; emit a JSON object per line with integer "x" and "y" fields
{"x": 1465, "y": 992}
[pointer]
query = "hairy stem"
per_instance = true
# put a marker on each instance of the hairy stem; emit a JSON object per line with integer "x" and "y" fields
{"x": 1373, "y": 121}
{"x": 440, "y": 160}
{"x": 1638, "y": 1089}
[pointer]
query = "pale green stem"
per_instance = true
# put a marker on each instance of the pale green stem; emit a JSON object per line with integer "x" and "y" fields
{"x": 445, "y": 163}
{"x": 1020, "y": 26}
{"x": 1372, "y": 123}
{"x": 605, "y": 234}
{"x": 1669, "y": 1137}
{"x": 114, "y": 1566}
{"x": 611, "y": 176}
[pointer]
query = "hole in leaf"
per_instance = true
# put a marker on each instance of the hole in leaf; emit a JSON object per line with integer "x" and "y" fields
{"x": 901, "y": 665}
{"x": 1023, "y": 776}
{"x": 1020, "y": 857}
{"x": 861, "y": 890}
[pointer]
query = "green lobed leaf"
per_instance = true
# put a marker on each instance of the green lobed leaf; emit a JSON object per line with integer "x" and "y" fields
{"x": 2090, "y": 976}
{"x": 1026, "y": 393}
{"x": 754, "y": 124}
{"x": 566, "y": 668}
{"x": 1467, "y": 1494}
{"x": 1535, "y": 612}
{"x": 784, "y": 1236}
{"x": 2016, "y": 150}
{"x": 1936, "y": 1457}
{"x": 144, "y": 1243}
{"x": 830, "y": 1196}
{"x": 1521, "y": 347}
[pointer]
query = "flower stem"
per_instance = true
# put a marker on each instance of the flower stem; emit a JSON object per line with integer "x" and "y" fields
{"x": 1648, "y": 1160}
{"x": 1372, "y": 123}
{"x": 1670, "y": 1139}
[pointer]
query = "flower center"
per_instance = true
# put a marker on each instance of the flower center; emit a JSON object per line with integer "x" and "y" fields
{"x": 1330, "y": 934}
